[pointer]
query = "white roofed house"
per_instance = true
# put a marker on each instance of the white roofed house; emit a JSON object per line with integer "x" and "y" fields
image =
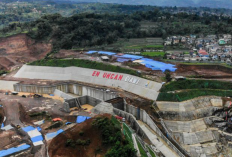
{"x": 168, "y": 42}
{"x": 212, "y": 48}
{"x": 183, "y": 39}
{"x": 105, "y": 58}
{"x": 227, "y": 36}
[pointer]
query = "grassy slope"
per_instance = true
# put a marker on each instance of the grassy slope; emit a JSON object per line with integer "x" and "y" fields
{"x": 153, "y": 54}
{"x": 151, "y": 152}
{"x": 189, "y": 89}
{"x": 84, "y": 64}
{"x": 142, "y": 151}
{"x": 196, "y": 84}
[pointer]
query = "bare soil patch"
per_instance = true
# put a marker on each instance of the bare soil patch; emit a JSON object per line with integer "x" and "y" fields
{"x": 19, "y": 49}
{"x": 204, "y": 71}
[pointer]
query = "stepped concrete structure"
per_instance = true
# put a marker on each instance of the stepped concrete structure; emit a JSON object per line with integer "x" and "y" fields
{"x": 190, "y": 124}
{"x": 136, "y": 85}
{"x": 189, "y": 110}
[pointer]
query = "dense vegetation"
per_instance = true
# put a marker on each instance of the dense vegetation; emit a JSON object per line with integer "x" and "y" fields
{"x": 196, "y": 84}
{"x": 153, "y": 54}
{"x": 189, "y": 89}
{"x": 83, "y": 29}
{"x": 112, "y": 136}
{"x": 91, "y": 29}
{"x": 84, "y": 64}
{"x": 2, "y": 72}
{"x": 190, "y": 94}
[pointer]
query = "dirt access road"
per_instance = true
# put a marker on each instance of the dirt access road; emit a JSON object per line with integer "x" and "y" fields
{"x": 16, "y": 108}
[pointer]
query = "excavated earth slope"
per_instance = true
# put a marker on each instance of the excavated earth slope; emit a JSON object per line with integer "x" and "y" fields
{"x": 18, "y": 49}
{"x": 58, "y": 146}
{"x": 204, "y": 71}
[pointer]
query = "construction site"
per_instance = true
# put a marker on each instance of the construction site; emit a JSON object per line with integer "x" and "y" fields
{"x": 41, "y": 103}
{"x": 41, "y": 106}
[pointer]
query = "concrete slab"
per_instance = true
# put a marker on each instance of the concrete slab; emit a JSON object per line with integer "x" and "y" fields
{"x": 7, "y": 85}
{"x": 190, "y": 105}
{"x": 197, "y": 137}
{"x": 186, "y": 126}
{"x": 209, "y": 149}
{"x": 216, "y": 102}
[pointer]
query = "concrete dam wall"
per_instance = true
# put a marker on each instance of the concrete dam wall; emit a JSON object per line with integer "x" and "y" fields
{"x": 133, "y": 84}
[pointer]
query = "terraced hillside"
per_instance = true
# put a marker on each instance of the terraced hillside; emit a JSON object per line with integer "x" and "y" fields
{"x": 197, "y": 124}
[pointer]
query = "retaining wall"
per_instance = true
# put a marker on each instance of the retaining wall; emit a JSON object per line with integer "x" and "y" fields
{"x": 75, "y": 102}
{"x": 67, "y": 88}
{"x": 133, "y": 122}
{"x": 189, "y": 110}
{"x": 146, "y": 119}
{"x": 63, "y": 95}
{"x": 142, "y": 115}
{"x": 117, "y": 103}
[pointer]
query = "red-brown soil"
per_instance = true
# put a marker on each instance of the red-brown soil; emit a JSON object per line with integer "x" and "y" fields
{"x": 24, "y": 117}
{"x": 68, "y": 54}
{"x": 18, "y": 49}
{"x": 57, "y": 147}
{"x": 204, "y": 71}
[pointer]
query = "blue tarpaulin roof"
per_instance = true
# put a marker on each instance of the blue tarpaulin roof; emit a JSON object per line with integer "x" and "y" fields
{"x": 156, "y": 65}
{"x": 34, "y": 134}
{"x": 102, "y": 52}
{"x": 67, "y": 123}
{"x": 28, "y": 128}
{"x": 53, "y": 134}
{"x": 128, "y": 57}
{"x": 131, "y": 56}
{"x": 38, "y": 128}
{"x": 2, "y": 125}
{"x": 81, "y": 119}
{"x": 121, "y": 60}
{"x": 150, "y": 63}
{"x": 37, "y": 138}
{"x": 14, "y": 150}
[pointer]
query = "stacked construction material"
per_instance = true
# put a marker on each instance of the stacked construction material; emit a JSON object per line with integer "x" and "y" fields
{"x": 35, "y": 135}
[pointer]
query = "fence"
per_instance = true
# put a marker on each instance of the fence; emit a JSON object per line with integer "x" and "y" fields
{"x": 146, "y": 119}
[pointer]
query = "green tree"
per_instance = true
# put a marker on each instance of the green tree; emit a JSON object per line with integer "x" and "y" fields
{"x": 168, "y": 76}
